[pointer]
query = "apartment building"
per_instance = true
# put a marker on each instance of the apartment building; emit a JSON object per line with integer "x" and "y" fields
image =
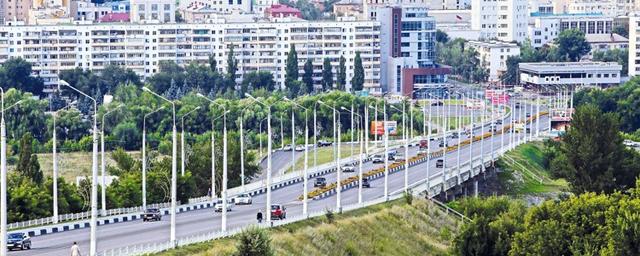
{"x": 408, "y": 51}
{"x": 217, "y": 6}
{"x": 547, "y": 27}
{"x": 153, "y": 11}
{"x": 634, "y": 49}
{"x": 605, "y": 7}
{"x": 259, "y": 46}
{"x": 504, "y": 20}
{"x": 494, "y": 56}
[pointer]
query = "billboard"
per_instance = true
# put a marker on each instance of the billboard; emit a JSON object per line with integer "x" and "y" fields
{"x": 497, "y": 96}
{"x": 377, "y": 127}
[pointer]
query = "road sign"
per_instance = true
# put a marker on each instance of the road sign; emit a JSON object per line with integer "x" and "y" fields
{"x": 377, "y": 127}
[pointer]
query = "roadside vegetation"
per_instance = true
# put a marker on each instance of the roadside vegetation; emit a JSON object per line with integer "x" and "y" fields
{"x": 393, "y": 228}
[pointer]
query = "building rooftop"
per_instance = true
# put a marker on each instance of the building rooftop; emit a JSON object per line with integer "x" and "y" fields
{"x": 568, "y": 66}
{"x": 115, "y": 17}
{"x": 493, "y": 44}
{"x": 606, "y": 38}
{"x": 542, "y": 14}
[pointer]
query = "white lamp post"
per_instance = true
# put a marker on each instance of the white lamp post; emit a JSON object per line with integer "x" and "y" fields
{"x": 144, "y": 157}
{"x": 182, "y": 144}
{"x": 103, "y": 183}
{"x": 268, "y": 205}
{"x": 305, "y": 196}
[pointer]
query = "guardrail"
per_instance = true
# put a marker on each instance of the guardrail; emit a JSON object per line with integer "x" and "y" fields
{"x": 81, "y": 215}
{"x": 148, "y": 248}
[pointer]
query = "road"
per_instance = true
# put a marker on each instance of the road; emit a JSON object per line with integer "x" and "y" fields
{"x": 200, "y": 221}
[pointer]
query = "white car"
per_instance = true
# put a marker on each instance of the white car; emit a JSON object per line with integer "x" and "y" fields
{"x": 422, "y": 152}
{"x": 299, "y": 148}
{"x": 348, "y": 168}
{"x": 286, "y": 148}
{"x": 218, "y": 207}
{"x": 242, "y": 199}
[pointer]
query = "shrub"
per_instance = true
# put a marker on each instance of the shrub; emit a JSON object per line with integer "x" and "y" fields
{"x": 254, "y": 241}
{"x": 329, "y": 215}
{"x": 408, "y": 197}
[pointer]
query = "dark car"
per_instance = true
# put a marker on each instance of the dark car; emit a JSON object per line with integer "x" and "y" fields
{"x": 499, "y": 121}
{"x": 517, "y": 104}
{"x": 20, "y": 241}
{"x": 454, "y": 135}
{"x": 324, "y": 143}
{"x": 365, "y": 183}
{"x": 320, "y": 182}
{"x": 437, "y": 103}
{"x": 528, "y": 114}
{"x": 442, "y": 144}
{"x": 152, "y": 214}
{"x": 278, "y": 212}
{"x": 440, "y": 163}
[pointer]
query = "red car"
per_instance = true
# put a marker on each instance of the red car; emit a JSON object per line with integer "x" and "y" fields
{"x": 278, "y": 212}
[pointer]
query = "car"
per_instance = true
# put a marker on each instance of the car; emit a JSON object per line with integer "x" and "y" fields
{"x": 440, "y": 163}
{"x": 377, "y": 159}
{"x": 499, "y": 121}
{"x": 517, "y": 104}
{"x": 218, "y": 206}
{"x": 365, "y": 183}
{"x": 528, "y": 114}
{"x": 300, "y": 148}
{"x": 320, "y": 182}
{"x": 424, "y": 144}
{"x": 152, "y": 214}
{"x": 278, "y": 212}
{"x": 242, "y": 199}
{"x": 454, "y": 135}
{"x": 18, "y": 240}
{"x": 437, "y": 103}
{"x": 324, "y": 143}
{"x": 348, "y": 168}
{"x": 442, "y": 144}
{"x": 287, "y": 148}
{"x": 422, "y": 152}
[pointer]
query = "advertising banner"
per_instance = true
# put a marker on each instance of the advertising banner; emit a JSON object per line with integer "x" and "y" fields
{"x": 378, "y": 127}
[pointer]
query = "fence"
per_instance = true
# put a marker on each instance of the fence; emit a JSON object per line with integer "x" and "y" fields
{"x": 143, "y": 249}
{"x": 81, "y": 215}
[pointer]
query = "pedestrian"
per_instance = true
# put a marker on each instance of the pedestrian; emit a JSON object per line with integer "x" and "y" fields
{"x": 259, "y": 217}
{"x": 75, "y": 249}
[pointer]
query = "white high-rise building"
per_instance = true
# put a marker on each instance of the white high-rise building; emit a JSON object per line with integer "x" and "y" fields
{"x": 634, "y": 49}
{"x": 153, "y": 11}
{"x": 505, "y": 20}
{"x": 259, "y": 46}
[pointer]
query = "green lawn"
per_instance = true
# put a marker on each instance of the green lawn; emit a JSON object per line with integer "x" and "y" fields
{"x": 392, "y": 228}
{"x": 72, "y": 164}
{"x": 528, "y": 175}
{"x": 325, "y": 155}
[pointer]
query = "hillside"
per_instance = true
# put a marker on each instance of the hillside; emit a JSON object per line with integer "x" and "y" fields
{"x": 393, "y": 228}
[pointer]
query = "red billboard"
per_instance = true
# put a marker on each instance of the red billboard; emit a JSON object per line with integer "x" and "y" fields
{"x": 377, "y": 127}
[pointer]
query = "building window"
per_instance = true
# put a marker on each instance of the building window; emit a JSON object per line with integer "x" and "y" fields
{"x": 398, "y": 78}
{"x": 167, "y": 7}
{"x": 154, "y": 7}
{"x": 141, "y": 7}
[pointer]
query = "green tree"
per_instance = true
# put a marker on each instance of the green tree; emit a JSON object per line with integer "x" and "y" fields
{"x": 592, "y": 156}
{"x": 621, "y": 56}
{"x": 291, "y": 72}
{"x": 307, "y": 77}
{"x": 357, "y": 82}
{"x": 512, "y": 76}
{"x": 16, "y": 73}
{"x": 254, "y": 241}
{"x": 621, "y": 30}
{"x": 341, "y": 74}
{"x": 28, "y": 165}
{"x": 213, "y": 64}
{"x": 441, "y": 36}
{"x": 327, "y": 75}
{"x": 168, "y": 71}
{"x": 232, "y": 68}
{"x": 572, "y": 44}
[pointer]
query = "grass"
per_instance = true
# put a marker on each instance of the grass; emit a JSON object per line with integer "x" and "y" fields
{"x": 392, "y": 228}
{"x": 325, "y": 155}
{"x": 73, "y": 164}
{"x": 529, "y": 175}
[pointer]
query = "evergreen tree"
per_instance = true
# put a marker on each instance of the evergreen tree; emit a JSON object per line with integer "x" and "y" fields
{"x": 28, "y": 165}
{"x": 232, "y": 68}
{"x": 213, "y": 64}
{"x": 357, "y": 82}
{"x": 172, "y": 92}
{"x": 307, "y": 77}
{"x": 341, "y": 74}
{"x": 291, "y": 72}
{"x": 327, "y": 75}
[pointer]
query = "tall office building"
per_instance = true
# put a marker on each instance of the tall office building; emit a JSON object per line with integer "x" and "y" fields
{"x": 504, "y": 20}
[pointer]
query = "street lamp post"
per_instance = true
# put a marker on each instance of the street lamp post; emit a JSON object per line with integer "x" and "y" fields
{"x": 224, "y": 161}
{"x": 360, "y": 157}
{"x": 405, "y": 135}
{"x": 103, "y": 185}
{"x": 182, "y": 144}
{"x": 305, "y": 199}
{"x": 336, "y": 128}
{"x": 3, "y": 180}
{"x": 144, "y": 157}
{"x": 174, "y": 165}
{"x": 213, "y": 156}
{"x": 268, "y": 205}
{"x": 94, "y": 173}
